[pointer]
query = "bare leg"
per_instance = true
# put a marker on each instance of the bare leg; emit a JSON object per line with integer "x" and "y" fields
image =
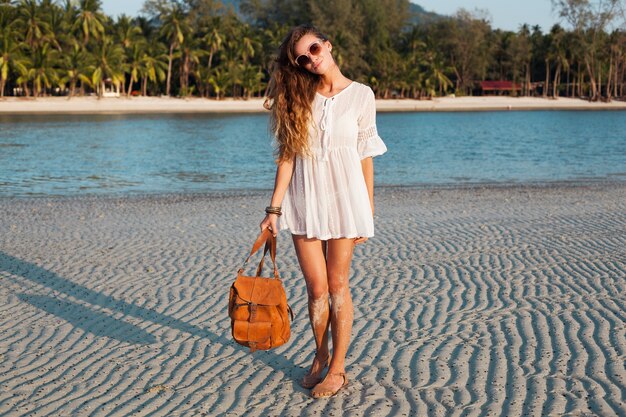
{"x": 339, "y": 257}
{"x": 312, "y": 258}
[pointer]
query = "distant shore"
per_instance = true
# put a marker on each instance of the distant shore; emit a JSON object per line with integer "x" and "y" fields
{"x": 123, "y": 105}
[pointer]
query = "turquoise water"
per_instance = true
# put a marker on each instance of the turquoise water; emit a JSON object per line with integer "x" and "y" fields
{"x": 138, "y": 154}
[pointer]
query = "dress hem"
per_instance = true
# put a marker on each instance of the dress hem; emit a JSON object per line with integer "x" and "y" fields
{"x": 326, "y": 237}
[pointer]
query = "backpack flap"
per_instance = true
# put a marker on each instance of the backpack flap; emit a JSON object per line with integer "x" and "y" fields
{"x": 258, "y": 290}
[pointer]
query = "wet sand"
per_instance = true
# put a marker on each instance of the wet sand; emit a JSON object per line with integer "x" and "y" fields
{"x": 477, "y": 301}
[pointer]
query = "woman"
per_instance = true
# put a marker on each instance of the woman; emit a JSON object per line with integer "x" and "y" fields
{"x": 326, "y": 134}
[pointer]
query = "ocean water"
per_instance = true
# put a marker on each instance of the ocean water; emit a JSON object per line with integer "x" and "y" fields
{"x": 73, "y": 155}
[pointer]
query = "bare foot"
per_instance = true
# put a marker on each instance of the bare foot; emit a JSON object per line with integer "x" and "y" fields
{"x": 314, "y": 376}
{"x": 330, "y": 385}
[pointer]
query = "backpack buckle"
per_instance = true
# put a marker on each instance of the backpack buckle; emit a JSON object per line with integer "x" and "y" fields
{"x": 253, "y": 310}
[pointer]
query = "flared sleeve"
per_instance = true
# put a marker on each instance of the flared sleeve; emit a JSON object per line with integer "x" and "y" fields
{"x": 368, "y": 142}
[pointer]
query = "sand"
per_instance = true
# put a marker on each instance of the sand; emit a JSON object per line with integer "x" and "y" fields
{"x": 475, "y": 301}
{"x": 123, "y": 105}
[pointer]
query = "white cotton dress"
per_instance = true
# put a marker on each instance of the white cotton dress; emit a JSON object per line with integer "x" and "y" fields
{"x": 327, "y": 196}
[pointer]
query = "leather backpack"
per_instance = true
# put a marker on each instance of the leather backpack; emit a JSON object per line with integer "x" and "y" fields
{"x": 257, "y": 306}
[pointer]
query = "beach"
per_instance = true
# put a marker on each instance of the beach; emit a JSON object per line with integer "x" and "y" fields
{"x": 123, "y": 105}
{"x": 482, "y": 300}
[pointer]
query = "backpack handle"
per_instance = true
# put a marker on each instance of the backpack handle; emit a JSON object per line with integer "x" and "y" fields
{"x": 266, "y": 237}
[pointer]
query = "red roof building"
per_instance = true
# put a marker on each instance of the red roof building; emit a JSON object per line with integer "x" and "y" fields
{"x": 499, "y": 86}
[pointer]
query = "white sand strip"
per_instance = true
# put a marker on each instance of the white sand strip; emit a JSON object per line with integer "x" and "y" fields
{"x": 482, "y": 301}
{"x": 93, "y": 105}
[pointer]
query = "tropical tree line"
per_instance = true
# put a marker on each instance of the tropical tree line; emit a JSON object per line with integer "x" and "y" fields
{"x": 205, "y": 48}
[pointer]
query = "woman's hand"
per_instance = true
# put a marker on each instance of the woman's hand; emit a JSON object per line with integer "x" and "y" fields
{"x": 359, "y": 240}
{"x": 270, "y": 222}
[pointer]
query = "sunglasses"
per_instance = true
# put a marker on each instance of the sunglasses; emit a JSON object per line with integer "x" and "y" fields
{"x": 314, "y": 50}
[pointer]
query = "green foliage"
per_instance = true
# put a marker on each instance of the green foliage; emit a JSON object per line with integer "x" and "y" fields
{"x": 217, "y": 49}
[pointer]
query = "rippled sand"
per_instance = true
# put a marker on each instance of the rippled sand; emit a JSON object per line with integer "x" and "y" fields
{"x": 494, "y": 301}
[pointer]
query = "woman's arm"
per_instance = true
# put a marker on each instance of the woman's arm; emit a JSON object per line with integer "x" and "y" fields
{"x": 367, "y": 165}
{"x": 284, "y": 171}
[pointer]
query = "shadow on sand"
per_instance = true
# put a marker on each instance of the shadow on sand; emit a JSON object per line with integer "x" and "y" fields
{"x": 100, "y": 324}
{"x": 91, "y": 321}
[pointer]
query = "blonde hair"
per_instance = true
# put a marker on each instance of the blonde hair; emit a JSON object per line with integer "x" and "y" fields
{"x": 291, "y": 91}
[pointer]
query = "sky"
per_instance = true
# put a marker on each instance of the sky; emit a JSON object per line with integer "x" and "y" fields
{"x": 505, "y": 14}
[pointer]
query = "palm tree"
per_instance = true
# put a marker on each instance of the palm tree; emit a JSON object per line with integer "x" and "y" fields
{"x": 414, "y": 53}
{"x": 520, "y": 51}
{"x": 572, "y": 54}
{"x": 436, "y": 74}
{"x": 407, "y": 82}
{"x": 235, "y": 76}
{"x": 153, "y": 64}
{"x": 524, "y": 55}
{"x": 238, "y": 54}
{"x": 108, "y": 64}
{"x": 34, "y": 25}
{"x": 59, "y": 27}
{"x": 174, "y": 27}
{"x": 130, "y": 37}
{"x": 548, "y": 57}
{"x": 390, "y": 67}
{"x": 134, "y": 62}
{"x": 556, "y": 53}
{"x": 74, "y": 68}
{"x": 201, "y": 75}
{"x": 617, "y": 46}
{"x": 247, "y": 43}
{"x": 190, "y": 55}
{"x": 11, "y": 57}
{"x": 127, "y": 33}
{"x": 270, "y": 37}
{"x": 70, "y": 15}
{"x": 90, "y": 19}
{"x": 153, "y": 69}
{"x": 41, "y": 70}
{"x": 252, "y": 80}
{"x": 220, "y": 80}
{"x": 214, "y": 41}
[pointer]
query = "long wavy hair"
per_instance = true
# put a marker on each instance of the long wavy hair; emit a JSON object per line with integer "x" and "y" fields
{"x": 291, "y": 91}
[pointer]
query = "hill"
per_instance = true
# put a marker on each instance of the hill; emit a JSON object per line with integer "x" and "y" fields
{"x": 418, "y": 13}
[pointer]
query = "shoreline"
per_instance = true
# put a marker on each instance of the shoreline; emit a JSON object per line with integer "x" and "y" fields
{"x": 157, "y": 105}
{"x": 233, "y": 193}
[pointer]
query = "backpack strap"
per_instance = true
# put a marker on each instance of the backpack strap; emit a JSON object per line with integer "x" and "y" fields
{"x": 266, "y": 237}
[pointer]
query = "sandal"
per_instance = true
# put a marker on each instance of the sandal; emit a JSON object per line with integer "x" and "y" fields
{"x": 321, "y": 391}
{"x": 309, "y": 381}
